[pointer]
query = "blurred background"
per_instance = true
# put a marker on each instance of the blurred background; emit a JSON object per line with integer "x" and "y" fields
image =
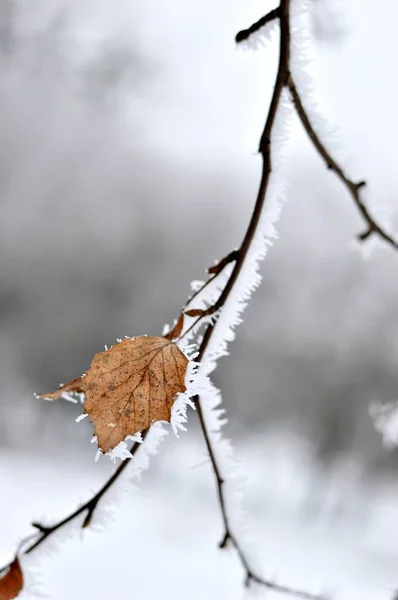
{"x": 128, "y": 165}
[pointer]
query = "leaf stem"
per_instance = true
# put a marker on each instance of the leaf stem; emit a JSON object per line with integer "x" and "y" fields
{"x": 215, "y": 270}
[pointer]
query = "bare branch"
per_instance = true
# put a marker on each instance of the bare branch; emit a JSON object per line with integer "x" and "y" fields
{"x": 229, "y": 536}
{"x": 265, "y": 150}
{"x": 353, "y": 187}
{"x": 243, "y": 35}
{"x": 89, "y": 507}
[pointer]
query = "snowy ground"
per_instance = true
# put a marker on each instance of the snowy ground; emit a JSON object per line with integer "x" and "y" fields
{"x": 163, "y": 541}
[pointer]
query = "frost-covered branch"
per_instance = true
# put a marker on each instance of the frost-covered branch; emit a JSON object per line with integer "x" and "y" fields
{"x": 240, "y": 257}
{"x": 354, "y": 188}
{"x": 229, "y": 536}
{"x": 241, "y": 254}
{"x": 88, "y": 507}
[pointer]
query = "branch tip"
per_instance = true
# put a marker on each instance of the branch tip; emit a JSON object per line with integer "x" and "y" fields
{"x": 87, "y": 519}
{"x": 223, "y": 543}
{"x": 41, "y": 528}
{"x": 244, "y": 34}
{"x": 366, "y": 234}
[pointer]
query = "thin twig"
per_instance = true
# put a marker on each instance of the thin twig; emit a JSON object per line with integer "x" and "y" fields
{"x": 218, "y": 267}
{"x": 89, "y": 506}
{"x": 250, "y": 575}
{"x": 265, "y": 150}
{"x": 353, "y": 187}
{"x": 243, "y": 35}
{"x": 206, "y": 313}
{"x": 215, "y": 270}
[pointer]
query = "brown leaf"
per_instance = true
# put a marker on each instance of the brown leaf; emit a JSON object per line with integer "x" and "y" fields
{"x": 74, "y": 386}
{"x": 176, "y": 331}
{"x": 11, "y": 583}
{"x": 195, "y": 312}
{"x": 131, "y": 385}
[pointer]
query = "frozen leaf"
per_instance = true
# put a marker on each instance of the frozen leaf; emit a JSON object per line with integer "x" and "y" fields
{"x": 11, "y": 582}
{"x": 176, "y": 331}
{"x": 131, "y": 385}
{"x": 74, "y": 387}
{"x": 196, "y": 312}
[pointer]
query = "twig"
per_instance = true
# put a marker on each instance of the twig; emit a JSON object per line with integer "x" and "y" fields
{"x": 206, "y": 313}
{"x": 243, "y": 35}
{"x": 250, "y": 575}
{"x": 282, "y": 589}
{"x": 215, "y": 270}
{"x": 353, "y": 187}
{"x": 218, "y": 267}
{"x": 89, "y": 506}
{"x": 265, "y": 150}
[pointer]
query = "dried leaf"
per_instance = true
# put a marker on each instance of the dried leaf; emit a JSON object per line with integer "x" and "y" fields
{"x": 195, "y": 312}
{"x": 218, "y": 267}
{"x": 74, "y": 386}
{"x": 11, "y": 583}
{"x": 131, "y": 385}
{"x": 176, "y": 331}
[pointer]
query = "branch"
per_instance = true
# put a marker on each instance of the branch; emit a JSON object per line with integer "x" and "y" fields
{"x": 353, "y": 187}
{"x": 89, "y": 506}
{"x": 265, "y": 150}
{"x": 243, "y": 35}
